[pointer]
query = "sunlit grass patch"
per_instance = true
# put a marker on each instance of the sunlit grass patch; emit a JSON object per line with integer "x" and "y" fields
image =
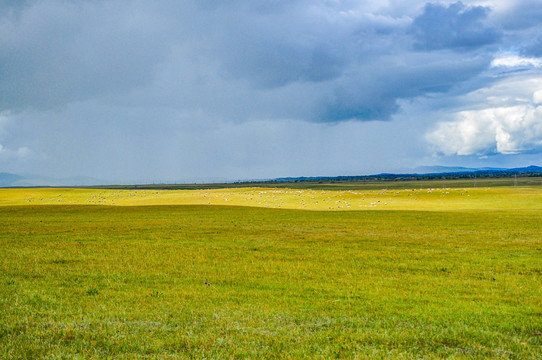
{"x": 431, "y": 199}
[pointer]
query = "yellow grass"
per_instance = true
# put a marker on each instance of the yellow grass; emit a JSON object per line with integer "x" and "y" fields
{"x": 503, "y": 198}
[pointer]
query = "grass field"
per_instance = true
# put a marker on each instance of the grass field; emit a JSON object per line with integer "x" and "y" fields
{"x": 432, "y": 199}
{"x": 251, "y": 273}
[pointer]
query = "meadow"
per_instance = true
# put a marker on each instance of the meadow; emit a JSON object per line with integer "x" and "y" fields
{"x": 403, "y": 273}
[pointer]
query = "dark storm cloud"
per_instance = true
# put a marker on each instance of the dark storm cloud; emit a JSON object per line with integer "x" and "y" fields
{"x": 374, "y": 93}
{"x": 521, "y": 21}
{"x": 311, "y": 60}
{"x": 270, "y": 62}
{"x": 276, "y": 44}
{"x": 453, "y": 27}
{"x": 53, "y": 53}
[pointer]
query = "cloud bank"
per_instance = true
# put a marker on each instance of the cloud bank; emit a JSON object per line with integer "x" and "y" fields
{"x": 507, "y": 119}
{"x": 356, "y": 61}
{"x": 506, "y": 130}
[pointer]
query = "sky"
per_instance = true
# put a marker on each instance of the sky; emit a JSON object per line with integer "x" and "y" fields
{"x": 133, "y": 91}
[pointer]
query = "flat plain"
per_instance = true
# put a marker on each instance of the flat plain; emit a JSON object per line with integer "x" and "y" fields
{"x": 407, "y": 273}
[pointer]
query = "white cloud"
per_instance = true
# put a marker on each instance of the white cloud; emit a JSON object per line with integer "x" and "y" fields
{"x": 505, "y": 118}
{"x": 504, "y": 130}
{"x": 511, "y": 60}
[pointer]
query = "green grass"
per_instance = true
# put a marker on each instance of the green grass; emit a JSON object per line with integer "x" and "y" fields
{"x": 130, "y": 282}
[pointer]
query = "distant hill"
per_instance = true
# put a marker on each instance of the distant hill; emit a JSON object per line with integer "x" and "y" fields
{"x": 451, "y": 169}
{"x": 528, "y": 169}
{"x": 430, "y": 173}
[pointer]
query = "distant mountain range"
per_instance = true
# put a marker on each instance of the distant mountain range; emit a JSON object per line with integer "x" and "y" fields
{"x": 425, "y": 172}
{"x": 428, "y": 172}
{"x": 452, "y": 169}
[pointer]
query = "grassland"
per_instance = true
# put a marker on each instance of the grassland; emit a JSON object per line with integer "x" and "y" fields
{"x": 252, "y": 273}
{"x": 432, "y": 199}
